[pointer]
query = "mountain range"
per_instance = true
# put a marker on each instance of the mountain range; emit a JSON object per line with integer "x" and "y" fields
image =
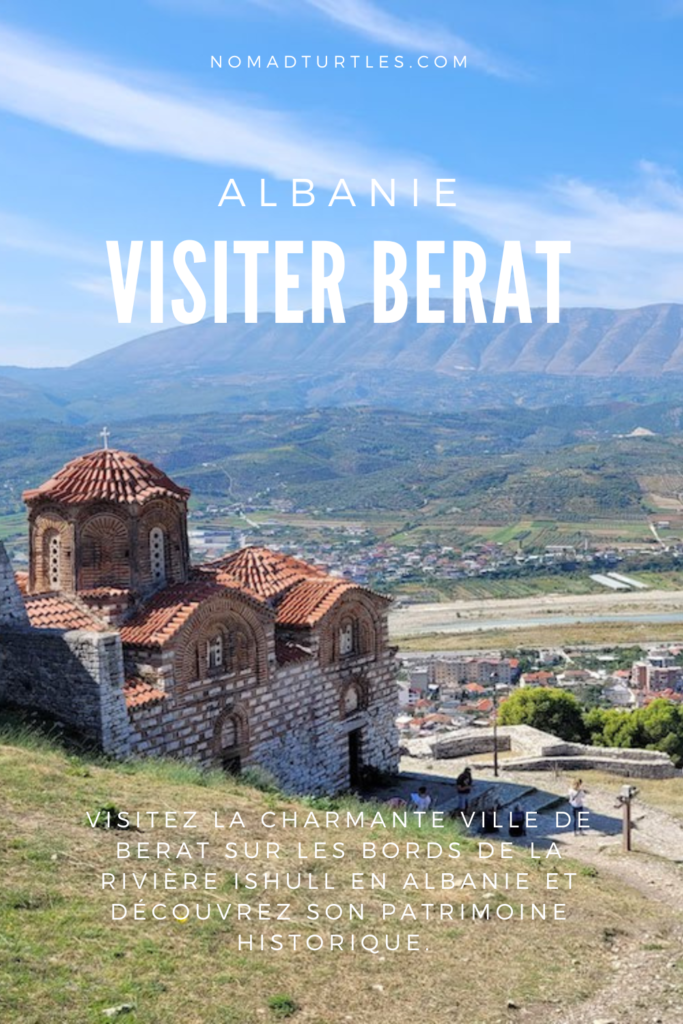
{"x": 591, "y": 355}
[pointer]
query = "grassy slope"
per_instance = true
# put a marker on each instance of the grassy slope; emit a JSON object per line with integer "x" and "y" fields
{"x": 62, "y": 959}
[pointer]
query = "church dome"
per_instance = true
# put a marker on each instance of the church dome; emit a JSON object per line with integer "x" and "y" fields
{"x": 107, "y": 475}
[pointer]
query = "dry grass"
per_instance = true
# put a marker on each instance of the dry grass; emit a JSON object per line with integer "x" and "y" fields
{"x": 666, "y": 794}
{"x": 62, "y": 960}
{"x": 607, "y": 634}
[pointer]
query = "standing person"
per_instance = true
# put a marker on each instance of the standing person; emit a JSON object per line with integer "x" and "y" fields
{"x": 463, "y": 786}
{"x": 576, "y": 795}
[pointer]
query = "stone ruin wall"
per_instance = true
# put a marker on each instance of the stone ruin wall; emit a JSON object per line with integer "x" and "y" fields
{"x": 75, "y": 677}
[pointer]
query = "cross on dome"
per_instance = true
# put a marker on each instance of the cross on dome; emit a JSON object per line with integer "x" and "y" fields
{"x": 105, "y": 434}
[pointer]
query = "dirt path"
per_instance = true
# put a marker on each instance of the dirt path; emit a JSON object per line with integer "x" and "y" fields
{"x": 645, "y": 985}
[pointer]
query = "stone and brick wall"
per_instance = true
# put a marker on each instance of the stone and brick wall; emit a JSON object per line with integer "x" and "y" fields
{"x": 294, "y": 718}
{"x": 76, "y": 676}
{"x": 104, "y": 544}
{"x": 12, "y": 610}
{"x": 293, "y": 721}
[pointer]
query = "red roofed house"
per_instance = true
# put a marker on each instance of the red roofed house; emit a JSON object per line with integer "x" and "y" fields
{"x": 256, "y": 659}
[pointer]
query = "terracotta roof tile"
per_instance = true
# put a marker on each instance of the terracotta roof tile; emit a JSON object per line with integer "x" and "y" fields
{"x": 264, "y": 572}
{"x": 138, "y": 691}
{"x": 164, "y": 614}
{"x": 22, "y": 581}
{"x": 107, "y": 475}
{"x": 58, "y": 611}
{"x": 307, "y": 602}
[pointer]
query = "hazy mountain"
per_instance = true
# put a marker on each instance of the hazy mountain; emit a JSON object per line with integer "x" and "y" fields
{"x": 597, "y": 342}
{"x": 592, "y": 354}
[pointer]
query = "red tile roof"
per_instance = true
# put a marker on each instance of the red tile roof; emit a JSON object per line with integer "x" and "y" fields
{"x": 301, "y": 593}
{"x": 22, "y": 581}
{"x": 307, "y": 602}
{"x": 107, "y": 475}
{"x": 164, "y": 614}
{"x": 264, "y": 572}
{"x": 138, "y": 691}
{"x": 538, "y": 677}
{"x": 58, "y": 611}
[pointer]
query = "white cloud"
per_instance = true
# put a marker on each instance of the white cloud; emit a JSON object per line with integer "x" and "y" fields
{"x": 366, "y": 19}
{"x": 26, "y": 235}
{"x": 627, "y": 245}
{"x": 411, "y": 36}
{"x": 47, "y": 84}
{"x": 627, "y": 242}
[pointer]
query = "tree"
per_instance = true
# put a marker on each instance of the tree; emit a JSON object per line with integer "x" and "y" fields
{"x": 659, "y": 726}
{"x": 548, "y": 709}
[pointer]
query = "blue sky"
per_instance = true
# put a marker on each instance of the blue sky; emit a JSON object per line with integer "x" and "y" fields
{"x": 566, "y": 124}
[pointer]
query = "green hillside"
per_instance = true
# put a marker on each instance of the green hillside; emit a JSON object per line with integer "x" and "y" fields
{"x": 62, "y": 960}
{"x": 491, "y": 466}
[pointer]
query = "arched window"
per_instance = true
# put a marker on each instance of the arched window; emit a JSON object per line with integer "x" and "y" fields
{"x": 351, "y": 701}
{"x": 104, "y": 552}
{"x": 54, "y": 555}
{"x": 347, "y": 643}
{"x": 353, "y": 698}
{"x": 157, "y": 554}
{"x": 239, "y": 651}
{"x": 215, "y": 654}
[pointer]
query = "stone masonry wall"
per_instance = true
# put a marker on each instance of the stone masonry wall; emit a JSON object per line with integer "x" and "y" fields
{"x": 76, "y": 676}
{"x": 12, "y": 611}
{"x": 465, "y": 744}
{"x": 293, "y": 722}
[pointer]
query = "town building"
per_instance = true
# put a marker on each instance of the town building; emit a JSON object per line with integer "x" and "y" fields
{"x": 657, "y": 672}
{"x": 257, "y": 658}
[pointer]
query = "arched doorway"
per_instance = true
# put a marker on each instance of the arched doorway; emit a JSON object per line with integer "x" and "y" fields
{"x": 231, "y": 740}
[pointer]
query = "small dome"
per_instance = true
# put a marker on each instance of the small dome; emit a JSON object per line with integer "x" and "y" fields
{"x": 107, "y": 475}
{"x": 264, "y": 572}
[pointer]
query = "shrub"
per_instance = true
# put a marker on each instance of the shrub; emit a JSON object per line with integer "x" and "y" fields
{"x": 282, "y": 1006}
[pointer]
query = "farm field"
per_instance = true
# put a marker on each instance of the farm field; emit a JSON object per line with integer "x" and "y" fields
{"x": 12, "y": 526}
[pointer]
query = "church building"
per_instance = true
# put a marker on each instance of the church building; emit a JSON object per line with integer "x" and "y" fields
{"x": 255, "y": 659}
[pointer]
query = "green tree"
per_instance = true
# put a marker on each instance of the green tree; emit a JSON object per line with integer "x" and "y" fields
{"x": 662, "y": 728}
{"x": 594, "y": 722}
{"x": 659, "y": 726}
{"x": 551, "y": 710}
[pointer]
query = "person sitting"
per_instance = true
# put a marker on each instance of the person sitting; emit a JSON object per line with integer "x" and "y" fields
{"x": 517, "y": 827}
{"x": 489, "y": 819}
{"x": 421, "y": 800}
